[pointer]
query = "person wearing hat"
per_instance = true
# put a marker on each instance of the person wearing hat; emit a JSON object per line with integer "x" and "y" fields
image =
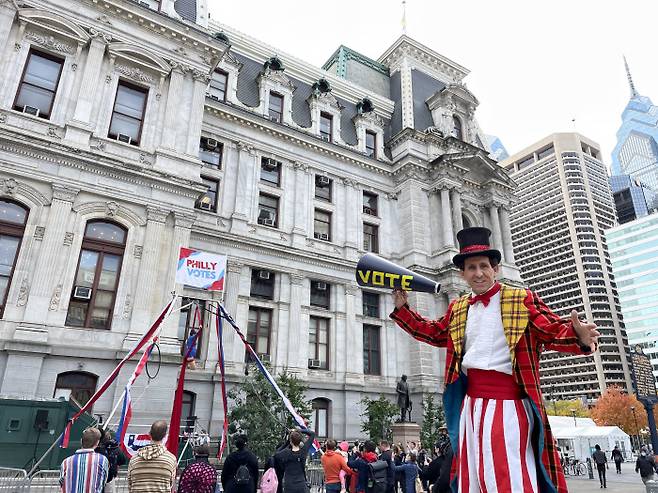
{"x": 494, "y": 335}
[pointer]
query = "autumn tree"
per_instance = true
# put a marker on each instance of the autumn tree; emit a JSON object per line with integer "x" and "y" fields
{"x": 564, "y": 408}
{"x": 613, "y": 408}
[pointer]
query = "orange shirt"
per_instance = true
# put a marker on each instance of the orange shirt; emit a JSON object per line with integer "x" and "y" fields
{"x": 332, "y": 463}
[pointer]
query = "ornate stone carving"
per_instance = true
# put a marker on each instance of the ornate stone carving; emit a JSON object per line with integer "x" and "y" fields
{"x": 393, "y": 195}
{"x": 9, "y": 186}
{"x": 74, "y": 67}
{"x": 158, "y": 96}
{"x": 104, "y": 19}
{"x": 234, "y": 267}
{"x": 23, "y": 293}
{"x": 348, "y": 182}
{"x": 296, "y": 279}
{"x": 242, "y": 146}
{"x": 127, "y": 307}
{"x": 54, "y": 300}
{"x": 181, "y": 51}
{"x": 184, "y": 220}
{"x": 200, "y": 76}
{"x": 3, "y": 117}
{"x": 39, "y": 231}
{"x": 98, "y": 145}
{"x": 299, "y": 165}
{"x": 111, "y": 209}
{"x": 68, "y": 238}
{"x": 143, "y": 159}
{"x": 108, "y": 79}
{"x": 137, "y": 251}
{"x": 52, "y": 132}
{"x": 324, "y": 99}
{"x": 62, "y": 192}
{"x": 49, "y": 42}
{"x": 370, "y": 117}
{"x": 134, "y": 73}
{"x": 350, "y": 289}
{"x": 156, "y": 214}
{"x": 277, "y": 77}
{"x": 95, "y": 33}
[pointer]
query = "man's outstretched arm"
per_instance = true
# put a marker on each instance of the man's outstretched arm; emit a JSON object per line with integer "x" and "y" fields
{"x": 434, "y": 332}
{"x": 558, "y": 334}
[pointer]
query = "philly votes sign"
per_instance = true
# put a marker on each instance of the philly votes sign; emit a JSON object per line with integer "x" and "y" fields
{"x": 200, "y": 269}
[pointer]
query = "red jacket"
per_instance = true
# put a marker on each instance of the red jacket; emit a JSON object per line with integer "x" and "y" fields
{"x": 530, "y": 327}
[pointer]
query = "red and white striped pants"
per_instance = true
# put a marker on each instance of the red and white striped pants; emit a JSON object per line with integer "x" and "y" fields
{"x": 495, "y": 448}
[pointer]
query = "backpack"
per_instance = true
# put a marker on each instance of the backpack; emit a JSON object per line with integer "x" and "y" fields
{"x": 242, "y": 476}
{"x": 377, "y": 476}
{"x": 269, "y": 483}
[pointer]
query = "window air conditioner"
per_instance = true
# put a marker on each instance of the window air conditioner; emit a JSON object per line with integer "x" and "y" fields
{"x": 124, "y": 138}
{"x": 211, "y": 143}
{"x": 31, "y": 110}
{"x": 323, "y": 236}
{"x": 322, "y": 181}
{"x": 145, "y": 4}
{"x": 265, "y": 358}
{"x": 82, "y": 293}
{"x": 212, "y": 96}
{"x": 264, "y": 274}
{"x": 321, "y": 286}
{"x": 314, "y": 363}
{"x": 205, "y": 205}
{"x": 268, "y": 222}
{"x": 368, "y": 210}
{"x": 274, "y": 118}
{"x": 269, "y": 164}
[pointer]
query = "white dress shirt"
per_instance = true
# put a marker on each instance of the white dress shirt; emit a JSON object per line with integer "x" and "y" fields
{"x": 485, "y": 346}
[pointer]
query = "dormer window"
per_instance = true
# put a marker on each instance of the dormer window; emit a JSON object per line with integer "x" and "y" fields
{"x": 276, "y": 107}
{"x": 326, "y": 124}
{"x": 457, "y": 131}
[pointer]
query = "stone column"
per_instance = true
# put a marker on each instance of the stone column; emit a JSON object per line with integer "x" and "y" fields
{"x": 495, "y": 226}
{"x": 352, "y": 216}
{"x": 300, "y": 218}
{"x": 354, "y": 339}
{"x": 435, "y": 220}
{"x": 147, "y": 281}
{"x": 173, "y": 108}
{"x": 46, "y": 288}
{"x": 448, "y": 236}
{"x": 181, "y": 238}
{"x": 296, "y": 352}
{"x": 407, "y": 91}
{"x": 506, "y": 230}
{"x": 231, "y": 292}
{"x": 7, "y": 14}
{"x": 89, "y": 85}
{"x": 455, "y": 199}
{"x": 201, "y": 80}
{"x": 244, "y": 187}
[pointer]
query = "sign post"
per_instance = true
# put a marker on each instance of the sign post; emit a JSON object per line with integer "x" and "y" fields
{"x": 200, "y": 269}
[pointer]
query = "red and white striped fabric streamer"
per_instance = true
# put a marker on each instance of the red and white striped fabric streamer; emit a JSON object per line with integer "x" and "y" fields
{"x": 495, "y": 448}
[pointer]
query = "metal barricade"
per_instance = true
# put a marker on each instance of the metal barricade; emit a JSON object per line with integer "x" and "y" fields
{"x": 46, "y": 481}
{"x": 315, "y": 477}
{"x": 12, "y": 480}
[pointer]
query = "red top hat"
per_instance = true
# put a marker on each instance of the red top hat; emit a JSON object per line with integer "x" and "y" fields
{"x": 474, "y": 242}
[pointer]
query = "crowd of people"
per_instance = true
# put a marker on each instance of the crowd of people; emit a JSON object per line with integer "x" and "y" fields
{"x": 355, "y": 468}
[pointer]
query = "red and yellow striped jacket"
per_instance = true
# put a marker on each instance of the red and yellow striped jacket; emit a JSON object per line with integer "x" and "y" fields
{"x": 530, "y": 327}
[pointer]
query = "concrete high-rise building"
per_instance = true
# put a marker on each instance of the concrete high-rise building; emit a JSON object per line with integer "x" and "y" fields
{"x": 631, "y": 198}
{"x": 563, "y": 207}
{"x": 634, "y": 252}
{"x": 636, "y": 152}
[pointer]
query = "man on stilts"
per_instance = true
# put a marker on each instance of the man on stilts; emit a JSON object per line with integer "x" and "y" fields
{"x": 494, "y": 407}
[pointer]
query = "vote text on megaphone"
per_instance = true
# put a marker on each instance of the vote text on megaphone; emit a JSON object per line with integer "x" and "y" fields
{"x": 375, "y": 272}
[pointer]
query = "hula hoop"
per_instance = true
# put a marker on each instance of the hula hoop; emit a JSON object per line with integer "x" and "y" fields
{"x": 148, "y": 373}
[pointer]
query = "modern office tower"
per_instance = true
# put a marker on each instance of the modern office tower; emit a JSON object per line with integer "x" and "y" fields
{"x": 633, "y": 248}
{"x": 563, "y": 207}
{"x": 631, "y": 198}
{"x": 636, "y": 152}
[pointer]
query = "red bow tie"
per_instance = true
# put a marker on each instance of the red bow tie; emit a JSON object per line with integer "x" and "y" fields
{"x": 485, "y": 298}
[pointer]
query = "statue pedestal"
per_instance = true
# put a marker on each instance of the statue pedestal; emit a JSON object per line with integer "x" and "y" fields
{"x": 406, "y": 432}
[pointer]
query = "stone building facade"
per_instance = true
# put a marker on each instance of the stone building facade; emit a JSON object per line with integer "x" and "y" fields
{"x": 127, "y": 131}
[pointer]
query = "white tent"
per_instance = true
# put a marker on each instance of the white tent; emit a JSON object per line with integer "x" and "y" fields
{"x": 577, "y": 439}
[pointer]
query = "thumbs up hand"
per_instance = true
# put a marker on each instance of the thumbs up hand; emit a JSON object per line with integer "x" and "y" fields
{"x": 586, "y": 332}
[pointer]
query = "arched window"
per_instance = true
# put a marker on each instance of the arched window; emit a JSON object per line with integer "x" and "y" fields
{"x": 466, "y": 223}
{"x": 13, "y": 217}
{"x": 320, "y": 417}
{"x": 457, "y": 128}
{"x": 97, "y": 277}
{"x": 77, "y": 386}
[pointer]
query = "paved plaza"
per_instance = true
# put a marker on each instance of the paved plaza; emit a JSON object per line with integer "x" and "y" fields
{"x": 626, "y": 482}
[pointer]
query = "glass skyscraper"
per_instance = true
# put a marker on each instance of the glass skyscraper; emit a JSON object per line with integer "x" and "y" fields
{"x": 636, "y": 152}
{"x": 631, "y": 198}
{"x": 633, "y": 249}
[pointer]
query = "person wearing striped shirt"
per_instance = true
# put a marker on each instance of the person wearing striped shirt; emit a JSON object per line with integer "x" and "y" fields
{"x": 85, "y": 471}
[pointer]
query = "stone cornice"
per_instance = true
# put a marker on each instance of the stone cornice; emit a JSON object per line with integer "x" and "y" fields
{"x": 257, "y": 122}
{"x": 94, "y": 162}
{"x": 109, "y": 209}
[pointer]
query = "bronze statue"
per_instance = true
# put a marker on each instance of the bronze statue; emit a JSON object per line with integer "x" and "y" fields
{"x": 404, "y": 402}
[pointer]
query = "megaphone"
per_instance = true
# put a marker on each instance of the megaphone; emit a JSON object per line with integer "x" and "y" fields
{"x": 375, "y": 272}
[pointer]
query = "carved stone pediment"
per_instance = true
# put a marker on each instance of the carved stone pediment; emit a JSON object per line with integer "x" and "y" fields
{"x": 138, "y": 57}
{"x": 276, "y": 77}
{"x": 324, "y": 99}
{"x": 54, "y": 25}
{"x": 371, "y": 117}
